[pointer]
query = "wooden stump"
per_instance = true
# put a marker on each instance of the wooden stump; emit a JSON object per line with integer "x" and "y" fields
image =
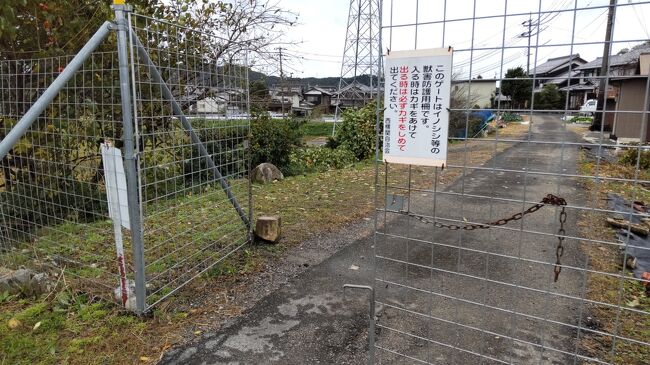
{"x": 268, "y": 228}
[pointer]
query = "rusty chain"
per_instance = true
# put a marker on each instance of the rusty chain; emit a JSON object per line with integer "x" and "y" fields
{"x": 549, "y": 199}
{"x": 559, "y": 250}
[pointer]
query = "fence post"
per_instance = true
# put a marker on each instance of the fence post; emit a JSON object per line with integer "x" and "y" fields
{"x": 129, "y": 155}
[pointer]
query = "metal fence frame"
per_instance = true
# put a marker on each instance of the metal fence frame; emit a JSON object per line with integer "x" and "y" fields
{"x": 143, "y": 85}
{"x": 401, "y": 336}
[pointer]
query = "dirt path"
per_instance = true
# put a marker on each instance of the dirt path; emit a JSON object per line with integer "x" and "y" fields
{"x": 518, "y": 315}
{"x": 441, "y": 294}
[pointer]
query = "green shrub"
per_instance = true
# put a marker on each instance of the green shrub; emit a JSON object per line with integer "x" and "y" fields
{"x": 319, "y": 159}
{"x": 273, "y": 140}
{"x": 224, "y": 141}
{"x": 460, "y": 125}
{"x": 630, "y": 156}
{"x": 511, "y": 117}
{"x": 356, "y": 132}
{"x": 581, "y": 119}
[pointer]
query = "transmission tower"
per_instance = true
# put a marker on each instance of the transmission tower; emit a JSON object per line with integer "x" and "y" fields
{"x": 360, "y": 64}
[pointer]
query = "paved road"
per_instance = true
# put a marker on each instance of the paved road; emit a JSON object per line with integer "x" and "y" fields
{"x": 434, "y": 304}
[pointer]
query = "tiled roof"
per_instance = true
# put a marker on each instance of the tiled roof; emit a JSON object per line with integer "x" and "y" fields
{"x": 564, "y": 77}
{"x": 317, "y": 90}
{"x": 553, "y": 63}
{"x": 630, "y": 57}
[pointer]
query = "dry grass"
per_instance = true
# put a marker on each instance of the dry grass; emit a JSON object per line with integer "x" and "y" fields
{"x": 514, "y": 130}
{"x": 606, "y": 258}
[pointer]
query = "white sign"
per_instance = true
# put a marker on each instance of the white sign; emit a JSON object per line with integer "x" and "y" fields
{"x": 115, "y": 179}
{"x": 118, "y": 210}
{"x": 417, "y": 95}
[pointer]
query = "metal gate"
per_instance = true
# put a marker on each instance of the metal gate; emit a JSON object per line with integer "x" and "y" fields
{"x": 126, "y": 166}
{"x": 530, "y": 246}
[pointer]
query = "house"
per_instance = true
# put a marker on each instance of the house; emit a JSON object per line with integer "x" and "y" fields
{"x": 623, "y": 67}
{"x": 304, "y": 109}
{"x": 211, "y": 105}
{"x": 285, "y": 98}
{"x": 354, "y": 95}
{"x": 220, "y": 101}
{"x": 501, "y": 101}
{"x": 563, "y": 72}
{"x": 631, "y": 103}
{"x": 625, "y": 63}
{"x": 476, "y": 92}
{"x": 319, "y": 97}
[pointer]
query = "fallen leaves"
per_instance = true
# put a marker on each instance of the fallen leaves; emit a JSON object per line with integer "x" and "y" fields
{"x": 13, "y": 323}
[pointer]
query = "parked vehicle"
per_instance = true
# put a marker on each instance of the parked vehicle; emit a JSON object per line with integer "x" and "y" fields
{"x": 589, "y": 107}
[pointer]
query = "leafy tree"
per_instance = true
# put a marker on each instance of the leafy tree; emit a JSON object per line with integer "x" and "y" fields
{"x": 259, "y": 97}
{"x": 550, "y": 97}
{"x": 519, "y": 90}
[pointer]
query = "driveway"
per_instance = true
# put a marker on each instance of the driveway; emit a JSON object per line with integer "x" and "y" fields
{"x": 444, "y": 297}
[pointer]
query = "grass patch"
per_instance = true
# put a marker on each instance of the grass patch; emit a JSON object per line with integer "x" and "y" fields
{"x": 317, "y": 129}
{"x": 606, "y": 258}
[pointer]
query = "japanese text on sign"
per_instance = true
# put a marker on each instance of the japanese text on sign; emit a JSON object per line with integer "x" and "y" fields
{"x": 416, "y": 97}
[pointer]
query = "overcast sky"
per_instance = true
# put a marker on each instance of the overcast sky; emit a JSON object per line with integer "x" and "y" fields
{"x": 321, "y": 32}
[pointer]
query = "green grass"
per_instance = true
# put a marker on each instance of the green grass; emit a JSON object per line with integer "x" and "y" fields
{"x": 61, "y": 329}
{"x": 317, "y": 129}
{"x": 79, "y": 327}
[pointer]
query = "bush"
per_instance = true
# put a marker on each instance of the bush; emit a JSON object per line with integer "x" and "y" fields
{"x": 356, "y": 132}
{"x": 460, "y": 124}
{"x": 224, "y": 141}
{"x": 273, "y": 140}
{"x": 630, "y": 156}
{"x": 581, "y": 119}
{"x": 511, "y": 117}
{"x": 319, "y": 159}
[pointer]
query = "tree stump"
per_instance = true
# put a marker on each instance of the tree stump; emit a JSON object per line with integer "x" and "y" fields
{"x": 268, "y": 228}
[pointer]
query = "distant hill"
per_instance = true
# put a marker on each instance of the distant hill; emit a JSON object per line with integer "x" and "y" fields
{"x": 307, "y": 81}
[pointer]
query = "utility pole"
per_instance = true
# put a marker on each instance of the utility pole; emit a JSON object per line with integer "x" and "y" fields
{"x": 599, "y": 117}
{"x": 528, "y": 34}
{"x": 281, "y": 82}
{"x": 530, "y": 25}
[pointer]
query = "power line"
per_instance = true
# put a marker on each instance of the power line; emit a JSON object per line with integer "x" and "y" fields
{"x": 641, "y": 23}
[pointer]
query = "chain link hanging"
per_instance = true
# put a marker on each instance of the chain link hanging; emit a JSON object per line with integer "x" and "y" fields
{"x": 549, "y": 199}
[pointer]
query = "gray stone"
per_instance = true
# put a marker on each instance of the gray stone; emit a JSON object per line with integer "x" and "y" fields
{"x": 23, "y": 281}
{"x": 266, "y": 173}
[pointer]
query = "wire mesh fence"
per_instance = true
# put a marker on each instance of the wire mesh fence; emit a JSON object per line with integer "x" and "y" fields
{"x": 67, "y": 202}
{"x": 465, "y": 271}
{"x": 193, "y": 210}
{"x": 54, "y": 204}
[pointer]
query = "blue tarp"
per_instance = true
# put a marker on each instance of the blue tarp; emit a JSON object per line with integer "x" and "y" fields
{"x": 484, "y": 115}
